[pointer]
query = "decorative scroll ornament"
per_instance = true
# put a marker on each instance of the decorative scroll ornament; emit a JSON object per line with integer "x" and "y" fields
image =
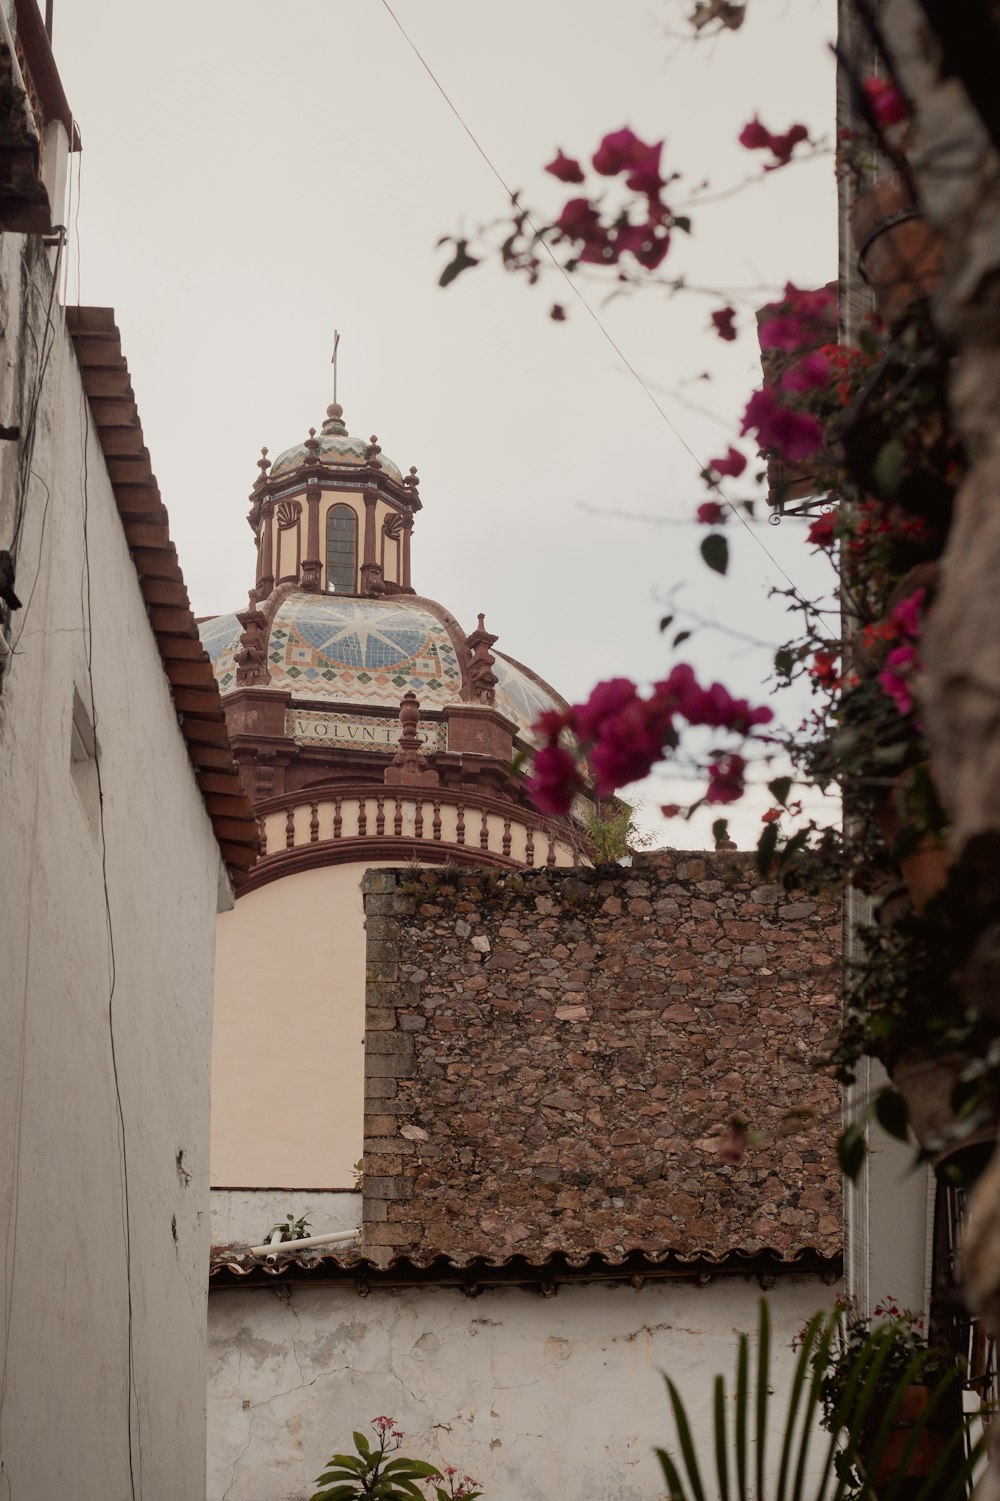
{"x": 409, "y": 766}
{"x": 393, "y": 526}
{"x": 482, "y": 678}
{"x": 287, "y": 514}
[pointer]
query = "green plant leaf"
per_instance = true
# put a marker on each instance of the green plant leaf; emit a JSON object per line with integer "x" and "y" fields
{"x": 686, "y": 1442}
{"x": 784, "y": 661}
{"x": 715, "y": 550}
{"x": 362, "y": 1445}
{"x": 891, "y": 1113}
{"x": 742, "y": 1399}
{"x": 763, "y": 1362}
{"x": 675, "y": 1485}
{"x": 721, "y": 1456}
{"x": 779, "y": 789}
{"x": 681, "y": 637}
{"x": 667, "y": 621}
{"x": 851, "y": 1148}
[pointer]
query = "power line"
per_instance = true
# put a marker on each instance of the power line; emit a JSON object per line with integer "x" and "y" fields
{"x": 578, "y": 294}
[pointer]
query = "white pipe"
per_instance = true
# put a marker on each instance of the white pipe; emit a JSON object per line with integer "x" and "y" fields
{"x": 337, "y": 1239}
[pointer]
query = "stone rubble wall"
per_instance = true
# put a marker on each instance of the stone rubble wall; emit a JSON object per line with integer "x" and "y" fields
{"x": 553, "y": 1055}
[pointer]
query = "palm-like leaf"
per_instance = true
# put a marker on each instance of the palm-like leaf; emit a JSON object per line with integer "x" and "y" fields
{"x": 864, "y": 1418}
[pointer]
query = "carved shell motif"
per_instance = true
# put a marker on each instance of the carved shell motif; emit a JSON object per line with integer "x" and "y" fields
{"x": 394, "y": 526}
{"x": 287, "y": 514}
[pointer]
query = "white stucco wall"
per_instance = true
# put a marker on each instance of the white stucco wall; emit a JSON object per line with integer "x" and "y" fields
{"x": 243, "y": 1216}
{"x": 288, "y": 1047}
{"x": 542, "y": 1399}
{"x": 64, "y": 1407}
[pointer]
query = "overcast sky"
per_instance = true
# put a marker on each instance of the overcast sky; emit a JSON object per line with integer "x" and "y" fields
{"x": 255, "y": 174}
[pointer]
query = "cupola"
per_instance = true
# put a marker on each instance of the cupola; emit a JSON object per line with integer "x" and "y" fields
{"x": 333, "y": 515}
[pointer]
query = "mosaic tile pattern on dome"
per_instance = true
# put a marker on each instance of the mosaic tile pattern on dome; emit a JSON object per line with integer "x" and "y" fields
{"x": 361, "y": 650}
{"x": 520, "y": 698}
{"x": 221, "y": 639}
{"x": 334, "y": 448}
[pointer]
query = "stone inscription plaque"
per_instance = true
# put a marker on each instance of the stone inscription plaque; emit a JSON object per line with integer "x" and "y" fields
{"x": 357, "y": 731}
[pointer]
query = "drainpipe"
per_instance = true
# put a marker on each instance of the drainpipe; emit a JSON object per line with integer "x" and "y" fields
{"x": 278, "y": 1247}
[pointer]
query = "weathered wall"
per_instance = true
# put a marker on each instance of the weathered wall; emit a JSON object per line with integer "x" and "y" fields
{"x": 288, "y": 1043}
{"x": 553, "y": 1055}
{"x": 542, "y": 1399}
{"x": 243, "y": 1216}
{"x": 67, "y": 1293}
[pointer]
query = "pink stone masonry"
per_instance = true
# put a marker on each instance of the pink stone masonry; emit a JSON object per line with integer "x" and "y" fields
{"x": 552, "y": 1057}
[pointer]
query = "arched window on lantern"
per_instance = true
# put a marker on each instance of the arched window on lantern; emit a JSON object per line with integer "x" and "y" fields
{"x": 341, "y": 550}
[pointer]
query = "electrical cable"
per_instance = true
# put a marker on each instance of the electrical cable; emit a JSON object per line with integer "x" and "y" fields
{"x": 583, "y": 300}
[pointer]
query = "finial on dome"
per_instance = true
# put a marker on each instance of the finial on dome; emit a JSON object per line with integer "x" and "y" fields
{"x": 335, "y": 420}
{"x": 263, "y": 464}
{"x": 412, "y": 480}
{"x": 372, "y": 453}
{"x": 312, "y": 447}
{"x": 482, "y": 678}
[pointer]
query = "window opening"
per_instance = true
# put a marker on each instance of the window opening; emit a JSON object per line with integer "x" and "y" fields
{"x": 341, "y": 549}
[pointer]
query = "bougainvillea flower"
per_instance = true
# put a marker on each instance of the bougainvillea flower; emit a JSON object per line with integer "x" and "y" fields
{"x": 579, "y": 219}
{"x": 824, "y": 669}
{"x": 812, "y": 371}
{"x": 710, "y": 513}
{"x": 756, "y": 137}
{"x": 733, "y": 1144}
{"x": 566, "y": 168}
{"x": 606, "y": 699}
{"x": 645, "y": 174}
{"x": 895, "y": 675}
{"x": 648, "y": 243}
{"x": 732, "y": 465}
{"x": 802, "y": 317}
{"x": 555, "y": 779}
{"x": 772, "y": 815}
{"x": 629, "y": 745}
{"x": 792, "y": 435}
{"x": 622, "y": 150}
{"x": 821, "y": 531}
{"x": 906, "y": 615}
{"x": 887, "y": 103}
{"x": 722, "y": 321}
{"x": 726, "y": 780}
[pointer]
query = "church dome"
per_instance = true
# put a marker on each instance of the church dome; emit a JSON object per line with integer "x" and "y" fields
{"x": 336, "y": 447}
{"x": 342, "y": 650}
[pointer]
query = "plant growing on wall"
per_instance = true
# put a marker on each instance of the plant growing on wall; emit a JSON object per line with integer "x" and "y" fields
{"x": 379, "y": 1471}
{"x": 291, "y": 1228}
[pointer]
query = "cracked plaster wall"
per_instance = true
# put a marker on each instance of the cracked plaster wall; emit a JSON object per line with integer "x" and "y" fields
{"x": 542, "y": 1399}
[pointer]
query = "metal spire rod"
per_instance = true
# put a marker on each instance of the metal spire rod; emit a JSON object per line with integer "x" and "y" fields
{"x": 333, "y": 361}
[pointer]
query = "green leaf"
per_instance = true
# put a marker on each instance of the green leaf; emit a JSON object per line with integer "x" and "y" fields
{"x": 462, "y": 262}
{"x": 891, "y": 1113}
{"x": 779, "y": 789}
{"x": 362, "y": 1445}
{"x": 686, "y": 1442}
{"x": 784, "y": 661}
{"x": 339, "y": 1493}
{"x": 851, "y": 1148}
{"x": 763, "y": 1361}
{"x": 721, "y": 1456}
{"x": 681, "y": 636}
{"x": 766, "y": 846}
{"x": 416, "y": 1469}
{"x": 683, "y": 223}
{"x": 675, "y": 1485}
{"x": 715, "y": 551}
{"x": 887, "y": 470}
{"x": 666, "y": 622}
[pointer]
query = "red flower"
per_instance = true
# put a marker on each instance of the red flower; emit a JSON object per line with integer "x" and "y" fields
{"x": 710, "y": 513}
{"x": 810, "y": 372}
{"x": 792, "y": 435}
{"x": 732, "y": 465}
{"x": 726, "y": 780}
{"x": 566, "y": 168}
{"x": 771, "y": 816}
{"x": 801, "y": 318}
{"x": 906, "y": 615}
{"x": 649, "y": 244}
{"x": 555, "y": 779}
{"x": 621, "y": 151}
{"x": 887, "y": 103}
{"x": 756, "y": 137}
{"x": 824, "y": 669}
{"x": 723, "y": 322}
{"x": 821, "y": 531}
{"x": 579, "y": 219}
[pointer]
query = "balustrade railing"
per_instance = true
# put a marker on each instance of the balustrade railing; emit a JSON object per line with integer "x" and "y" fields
{"x": 337, "y": 823}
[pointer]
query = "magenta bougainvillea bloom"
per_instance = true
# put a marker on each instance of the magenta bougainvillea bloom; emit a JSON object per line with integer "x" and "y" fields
{"x": 906, "y": 615}
{"x": 756, "y": 137}
{"x": 579, "y": 219}
{"x": 623, "y": 151}
{"x": 895, "y": 676}
{"x": 722, "y": 321}
{"x": 555, "y": 779}
{"x": 887, "y": 103}
{"x": 732, "y": 465}
{"x": 811, "y": 373}
{"x": 710, "y": 513}
{"x": 726, "y": 780}
{"x": 792, "y": 435}
{"x": 801, "y": 318}
{"x": 566, "y": 168}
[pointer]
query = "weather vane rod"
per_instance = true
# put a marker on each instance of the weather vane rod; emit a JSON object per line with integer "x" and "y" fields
{"x": 333, "y": 361}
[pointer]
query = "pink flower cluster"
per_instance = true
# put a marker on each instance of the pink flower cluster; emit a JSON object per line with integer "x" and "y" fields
{"x": 800, "y": 320}
{"x": 791, "y": 435}
{"x": 627, "y": 734}
{"x": 620, "y": 152}
{"x": 756, "y": 137}
{"x": 903, "y": 660}
{"x": 887, "y": 103}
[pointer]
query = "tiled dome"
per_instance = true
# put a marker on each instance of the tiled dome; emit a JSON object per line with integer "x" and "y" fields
{"x": 336, "y": 446}
{"x": 338, "y": 649}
